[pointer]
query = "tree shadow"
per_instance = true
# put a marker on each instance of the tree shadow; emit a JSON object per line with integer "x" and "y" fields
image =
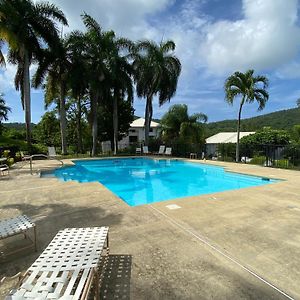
{"x": 116, "y": 277}
{"x": 49, "y": 219}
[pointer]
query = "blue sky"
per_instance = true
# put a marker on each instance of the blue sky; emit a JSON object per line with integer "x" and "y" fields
{"x": 214, "y": 38}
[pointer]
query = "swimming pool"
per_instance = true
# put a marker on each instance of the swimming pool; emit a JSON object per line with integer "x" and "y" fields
{"x": 140, "y": 181}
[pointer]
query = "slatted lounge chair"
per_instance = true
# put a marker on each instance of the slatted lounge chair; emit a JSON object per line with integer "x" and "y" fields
{"x": 25, "y": 157}
{"x": 168, "y": 151}
{"x": 138, "y": 150}
{"x": 4, "y": 170}
{"x": 68, "y": 268}
{"x": 145, "y": 150}
{"x": 15, "y": 226}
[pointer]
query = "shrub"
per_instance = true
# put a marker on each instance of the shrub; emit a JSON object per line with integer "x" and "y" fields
{"x": 258, "y": 160}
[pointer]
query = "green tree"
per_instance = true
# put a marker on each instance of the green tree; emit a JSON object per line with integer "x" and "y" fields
{"x": 96, "y": 52}
{"x": 250, "y": 88}
{"x": 56, "y": 64}
{"x": 298, "y": 102}
{"x": 28, "y": 27}
{"x": 119, "y": 80}
{"x": 296, "y": 134}
{"x": 157, "y": 71}
{"x": 47, "y": 130}
{"x": 178, "y": 124}
{"x": 4, "y": 110}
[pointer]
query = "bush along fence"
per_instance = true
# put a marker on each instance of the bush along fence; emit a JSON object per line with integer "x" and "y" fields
{"x": 278, "y": 156}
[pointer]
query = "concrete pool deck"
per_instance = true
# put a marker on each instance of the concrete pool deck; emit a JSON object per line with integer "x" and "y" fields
{"x": 202, "y": 250}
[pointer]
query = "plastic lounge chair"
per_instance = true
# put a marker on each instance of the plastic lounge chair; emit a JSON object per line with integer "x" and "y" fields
{"x": 51, "y": 152}
{"x": 18, "y": 225}
{"x": 138, "y": 150}
{"x": 161, "y": 150}
{"x": 4, "y": 170}
{"x": 145, "y": 150}
{"x": 168, "y": 151}
{"x": 69, "y": 268}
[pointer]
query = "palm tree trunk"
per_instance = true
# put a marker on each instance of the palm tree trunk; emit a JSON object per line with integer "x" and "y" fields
{"x": 27, "y": 99}
{"x": 115, "y": 120}
{"x": 237, "y": 151}
{"x": 94, "y": 105}
{"x": 78, "y": 125}
{"x": 63, "y": 123}
{"x": 148, "y": 117}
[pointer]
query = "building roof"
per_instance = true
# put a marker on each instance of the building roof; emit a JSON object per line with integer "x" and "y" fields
{"x": 140, "y": 123}
{"x": 226, "y": 137}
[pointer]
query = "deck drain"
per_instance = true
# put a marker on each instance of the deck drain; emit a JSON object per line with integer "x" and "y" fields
{"x": 173, "y": 206}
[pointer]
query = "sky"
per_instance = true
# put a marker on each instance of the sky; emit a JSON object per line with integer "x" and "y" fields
{"x": 214, "y": 38}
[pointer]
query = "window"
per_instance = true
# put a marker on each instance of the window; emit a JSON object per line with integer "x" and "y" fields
{"x": 133, "y": 139}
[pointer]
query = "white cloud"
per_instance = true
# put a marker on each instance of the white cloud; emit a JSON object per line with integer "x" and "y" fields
{"x": 289, "y": 71}
{"x": 266, "y": 38}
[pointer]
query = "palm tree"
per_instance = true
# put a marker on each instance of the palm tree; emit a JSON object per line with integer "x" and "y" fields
{"x": 177, "y": 123}
{"x": 57, "y": 65}
{"x": 95, "y": 43}
{"x": 78, "y": 87}
{"x": 119, "y": 77}
{"x": 2, "y": 59}
{"x": 250, "y": 88}
{"x": 28, "y": 27}
{"x": 156, "y": 73}
{"x": 4, "y": 110}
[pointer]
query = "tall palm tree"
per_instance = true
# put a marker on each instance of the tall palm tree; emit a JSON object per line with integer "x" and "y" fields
{"x": 78, "y": 87}
{"x": 56, "y": 64}
{"x": 2, "y": 59}
{"x": 95, "y": 43}
{"x": 120, "y": 79}
{"x": 156, "y": 73}
{"x": 177, "y": 123}
{"x": 249, "y": 88}
{"x": 27, "y": 27}
{"x": 4, "y": 110}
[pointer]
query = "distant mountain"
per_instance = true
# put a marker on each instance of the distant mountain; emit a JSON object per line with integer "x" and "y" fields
{"x": 283, "y": 119}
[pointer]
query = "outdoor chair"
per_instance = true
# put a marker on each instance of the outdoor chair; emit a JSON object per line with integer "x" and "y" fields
{"x": 161, "y": 150}
{"x": 51, "y": 152}
{"x": 168, "y": 151}
{"x": 4, "y": 170}
{"x": 71, "y": 267}
{"x": 24, "y": 157}
{"x": 15, "y": 226}
{"x": 138, "y": 150}
{"x": 145, "y": 150}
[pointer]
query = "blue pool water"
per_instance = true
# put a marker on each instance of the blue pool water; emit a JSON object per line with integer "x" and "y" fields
{"x": 143, "y": 180}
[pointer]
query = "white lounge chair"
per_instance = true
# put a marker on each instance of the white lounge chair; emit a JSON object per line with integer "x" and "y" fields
{"x": 145, "y": 150}
{"x": 168, "y": 151}
{"x": 4, "y": 169}
{"x": 161, "y": 150}
{"x": 68, "y": 268}
{"x": 51, "y": 152}
{"x": 138, "y": 150}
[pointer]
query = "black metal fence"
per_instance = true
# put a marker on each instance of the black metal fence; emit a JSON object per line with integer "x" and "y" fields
{"x": 278, "y": 156}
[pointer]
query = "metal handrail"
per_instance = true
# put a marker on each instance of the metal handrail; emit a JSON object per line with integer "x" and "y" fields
{"x": 45, "y": 156}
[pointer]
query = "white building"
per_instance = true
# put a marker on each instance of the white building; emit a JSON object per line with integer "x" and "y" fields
{"x": 222, "y": 138}
{"x": 136, "y": 134}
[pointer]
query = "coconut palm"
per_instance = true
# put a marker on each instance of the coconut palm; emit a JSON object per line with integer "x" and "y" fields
{"x": 119, "y": 77}
{"x": 177, "y": 123}
{"x": 56, "y": 64}
{"x": 250, "y": 89}
{"x": 96, "y": 52}
{"x": 28, "y": 27}
{"x": 156, "y": 73}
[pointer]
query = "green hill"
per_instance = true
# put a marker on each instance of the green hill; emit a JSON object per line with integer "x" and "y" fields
{"x": 283, "y": 119}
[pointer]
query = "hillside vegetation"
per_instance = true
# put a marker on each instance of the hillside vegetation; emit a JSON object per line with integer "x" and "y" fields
{"x": 283, "y": 119}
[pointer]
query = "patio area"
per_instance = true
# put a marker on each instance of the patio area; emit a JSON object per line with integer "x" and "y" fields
{"x": 203, "y": 249}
